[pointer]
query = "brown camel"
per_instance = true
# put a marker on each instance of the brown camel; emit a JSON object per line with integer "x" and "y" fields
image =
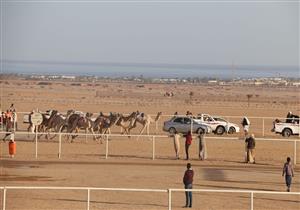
{"x": 145, "y": 120}
{"x": 58, "y": 121}
{"x": 125, "y": 122}
{"x": 103, "y": 123}
{"x": 77, "y": 122}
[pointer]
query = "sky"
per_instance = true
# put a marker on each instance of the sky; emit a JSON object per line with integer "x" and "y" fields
{"x": 205, "y": 33}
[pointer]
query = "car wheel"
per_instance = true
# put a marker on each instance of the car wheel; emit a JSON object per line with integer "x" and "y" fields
{"x": 172, "y": 130}
{"x": 220, "y": 130}
{"x": 200, "y": 131}
{"x": 231, "y": 130}
{"x": 287, "y": 132}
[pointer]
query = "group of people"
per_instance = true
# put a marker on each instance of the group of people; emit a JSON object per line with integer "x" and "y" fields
{"x": 288, "y": 170}
{"x": 202, "y": 152}
{"x": 188, "y": 177}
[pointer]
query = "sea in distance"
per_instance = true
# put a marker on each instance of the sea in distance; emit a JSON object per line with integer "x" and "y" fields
{"x": 117, "y": 70}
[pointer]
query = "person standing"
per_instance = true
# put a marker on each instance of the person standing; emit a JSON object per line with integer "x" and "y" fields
{"x": 176, "y": 138}
{"x": 250, "y": 145}
{"x": 15, "y": 120}
{"x": 188, "y": 142}
{"x": 202, "y": 147}
{"x": 246, "y": 125}
{"x": 289, "y": 117}
{"x": 188, "y": 184}
{"x": 8, "y": 124}
{"x": 288, "y": 171}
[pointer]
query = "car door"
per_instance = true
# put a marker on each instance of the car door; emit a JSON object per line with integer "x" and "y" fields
{"x": 187, "y": 124}
{"x": 210, "y": 121}
{"x": 178, "y": 124}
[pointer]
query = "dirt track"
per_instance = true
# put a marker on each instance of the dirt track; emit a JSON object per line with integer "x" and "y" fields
{"x": 130, "y": 163}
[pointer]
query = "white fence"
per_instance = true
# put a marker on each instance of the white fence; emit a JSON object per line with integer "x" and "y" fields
{"x": 168, "y": 191}
{"x": 151, "y": 137}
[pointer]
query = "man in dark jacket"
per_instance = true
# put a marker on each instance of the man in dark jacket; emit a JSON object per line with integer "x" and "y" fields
{"x": 188, "y": 184}
{"x": 250, "y": 145}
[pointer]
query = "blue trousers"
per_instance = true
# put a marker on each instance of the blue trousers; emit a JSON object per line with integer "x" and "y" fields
{"x": 288, "y": 180}
{"x": 188, "y": 195}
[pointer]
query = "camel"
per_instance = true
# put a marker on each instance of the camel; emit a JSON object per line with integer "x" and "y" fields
{"x": 77, "y": 122}
{"x": 125, "y": 122}
{"x": 103, "y": 123}
{"x": 42, "y": 127}
{"x": 58, "y": 121}
{"x": 145, "y": 120}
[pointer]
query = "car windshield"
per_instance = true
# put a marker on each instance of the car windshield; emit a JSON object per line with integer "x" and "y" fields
{"x": 219, "y": 119}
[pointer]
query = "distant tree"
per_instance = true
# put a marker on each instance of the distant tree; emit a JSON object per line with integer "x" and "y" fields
{"x": 191, "y": 94}
{"x": 249, "y": 96}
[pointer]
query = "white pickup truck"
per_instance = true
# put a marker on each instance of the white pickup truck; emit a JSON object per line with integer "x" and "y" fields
{"x": 286, "y": 129}
{"x": 219, "y": 125}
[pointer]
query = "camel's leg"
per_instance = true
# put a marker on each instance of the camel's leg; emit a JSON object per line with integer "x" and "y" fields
{"x": 108, "y": 131}
{"x": 56, "y": 130}
{"x": 86, "y": 131}
{"x": 28, "y": 129}
{"x": 141, "y": 132}
{"x": 74, "y": 136}
{"x": 148, "y": 130}
{"x": 92, "y": 130}
{"x": 100, "y": 137}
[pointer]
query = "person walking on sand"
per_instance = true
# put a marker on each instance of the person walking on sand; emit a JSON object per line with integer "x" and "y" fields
{"x": 288, "y": 171}
{"x": 188, "y": 184}
{"x": 188, "y": 142}
{"x": 176, "y": 138}
{"x": 202, "y": 147}
{"x": 250, "y": 144}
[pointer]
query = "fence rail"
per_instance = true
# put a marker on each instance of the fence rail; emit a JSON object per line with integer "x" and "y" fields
{"x": 168, "y": 191}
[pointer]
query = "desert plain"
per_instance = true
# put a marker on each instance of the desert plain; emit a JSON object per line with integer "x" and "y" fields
{"x": 130, "y": 164}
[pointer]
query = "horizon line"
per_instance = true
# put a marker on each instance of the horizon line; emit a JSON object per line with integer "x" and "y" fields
{"x": 151, "y": 65}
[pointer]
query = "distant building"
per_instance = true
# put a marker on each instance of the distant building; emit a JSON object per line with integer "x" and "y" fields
{"x": 68, "y": 77}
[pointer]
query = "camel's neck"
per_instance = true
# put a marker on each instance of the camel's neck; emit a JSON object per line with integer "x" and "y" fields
{"x": 157, "y": 117}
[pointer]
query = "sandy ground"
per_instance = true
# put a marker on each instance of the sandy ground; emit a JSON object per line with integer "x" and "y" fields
{"x": 130, "y": 164}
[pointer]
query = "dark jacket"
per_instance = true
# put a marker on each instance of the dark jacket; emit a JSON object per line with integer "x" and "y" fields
{"x": 188, "y": 177}
{"x": 250, "y": 143}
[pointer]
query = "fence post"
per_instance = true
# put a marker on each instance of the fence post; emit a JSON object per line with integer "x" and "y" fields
{"x": 59, "y": 145}
{"x": 106, "y": 147}
{"x": 153, "y": 147}
{"x": 4, "y": 199}
{"x": 263, "y": 127}
{"x": 191, "y": 125}
{"x": 36, "y": 142}
{"x": 170, "y": 199}
{"x": 251, "y": 204}
{"x": 295, "y": 152}
{"x": 88, "y": 200}
{"x": 2, "y": 124}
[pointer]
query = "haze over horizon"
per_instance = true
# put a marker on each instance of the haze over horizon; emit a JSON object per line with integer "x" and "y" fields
{"x": 59, "y": 37}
